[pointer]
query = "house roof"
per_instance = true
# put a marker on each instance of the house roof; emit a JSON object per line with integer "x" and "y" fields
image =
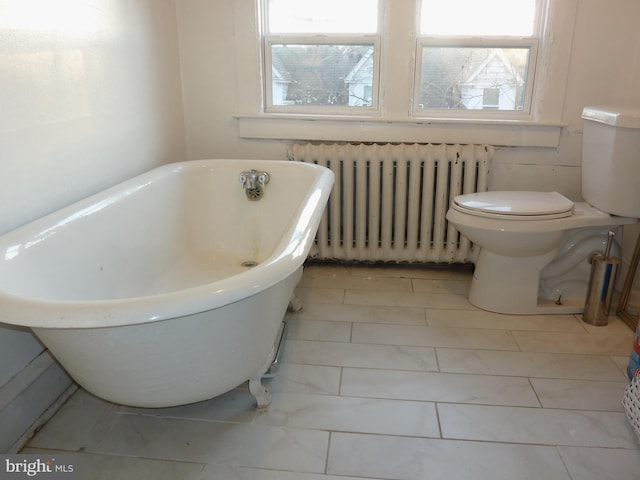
{"x": 495, "y": 54}
{"x": 364, "y": 68}
{"x": 279, "y": 71}
{"x": 316, "y": 75}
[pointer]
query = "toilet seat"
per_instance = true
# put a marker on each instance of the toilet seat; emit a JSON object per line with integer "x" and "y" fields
{"x": 514, "y": 205}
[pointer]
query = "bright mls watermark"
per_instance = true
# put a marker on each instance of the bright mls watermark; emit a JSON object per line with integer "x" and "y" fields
{"x": 52, "y": 467}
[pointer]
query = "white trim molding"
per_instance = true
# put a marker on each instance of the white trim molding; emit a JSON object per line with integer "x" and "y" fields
{"x": 395, "y": 121}
{"x": 507, "y": 133}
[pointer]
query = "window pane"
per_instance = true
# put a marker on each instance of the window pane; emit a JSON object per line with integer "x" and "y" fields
{"x": 322, "y": 75}
{"x": 326, "y": 16}
{"x": 491, "y": 98}
{"x": 473, "y": 78}
{"x": 474, "y": 17}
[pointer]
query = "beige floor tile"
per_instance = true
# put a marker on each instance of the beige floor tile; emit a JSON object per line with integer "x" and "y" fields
{"x": 579, "y": 394}
{"x": 455, "y": 287}
{"x": 357, "y": 283}
{"x": 326, "y": 270}
{"x": 528, "y": 364}
{"x": 414, "y": 271}
{"x": 238, "y": 444}
{"x": 482, "y": 319}
{"x": 433, "y": 336}
{"x": 360, "y": 313}
{"x": 360, "y": 355}
{"x": 622, "y": 362}
{"x": 601, "y": 463}
{"x": 227, "y": 472}
{"x": 420, "y": 459}
{"x": 320, "y": 295}
{"x": 319, "y": 330}
{"x": 614, "y": 325}
{"x": 297, "y": 378}
{"x": 82, "y": 422}
{"x": 438, "y": 387}
{"x": 344, "y": 413}
{"x": 109, "y": 467}
{"x": 580, "y": 343}
{"x": 540, "y": 426}
{"x": 237, "y": 405}
{"x": 405, "y": 299}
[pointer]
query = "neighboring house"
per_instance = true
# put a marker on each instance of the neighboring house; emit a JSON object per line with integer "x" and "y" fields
{"x": 317, "y": 74}
{"x": 280, "y": 81}
{"x": 495, "y": 84}
{"x": 467, "y": 78}
{"x": 455, "y": 78}
{"x": 360, "y": 82}
{"x": 472, "y": 78}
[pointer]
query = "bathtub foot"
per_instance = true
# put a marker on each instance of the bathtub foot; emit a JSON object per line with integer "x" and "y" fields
{"x": 258, "y": 390}
{"x": 295, "y": 304}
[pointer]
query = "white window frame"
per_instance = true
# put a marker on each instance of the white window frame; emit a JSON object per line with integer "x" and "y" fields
{"x": 269, "y": 40}
{"x": 394, "y": 121}
{"x": 530, "y": 43}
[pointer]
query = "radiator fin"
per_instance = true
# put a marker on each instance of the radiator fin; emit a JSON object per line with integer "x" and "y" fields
{"x": 389, "y": 201}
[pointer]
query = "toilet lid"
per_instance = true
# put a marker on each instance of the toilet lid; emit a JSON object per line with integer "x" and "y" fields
{"x": 515, "y": 205}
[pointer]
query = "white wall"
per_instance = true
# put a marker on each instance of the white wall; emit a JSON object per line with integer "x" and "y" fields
{"x": 207, "y": 55}
{"x": 90, "y": 94}
{"x": 603, "y": 70}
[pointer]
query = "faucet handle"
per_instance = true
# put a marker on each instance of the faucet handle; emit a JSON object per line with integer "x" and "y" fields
{"x": 243, "y": 179}
{"x": 263, "y": 178}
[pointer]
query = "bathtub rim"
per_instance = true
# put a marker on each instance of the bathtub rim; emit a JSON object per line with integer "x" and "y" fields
{"x": 288, "y": 256}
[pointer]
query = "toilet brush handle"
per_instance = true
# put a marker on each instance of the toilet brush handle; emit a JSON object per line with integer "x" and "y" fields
{"x": 607, "y": 250}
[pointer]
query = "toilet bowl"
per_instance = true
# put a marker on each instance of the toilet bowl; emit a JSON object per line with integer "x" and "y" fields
{"x": 535, "y": 249}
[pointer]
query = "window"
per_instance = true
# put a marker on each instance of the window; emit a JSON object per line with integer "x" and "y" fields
{"x": 491, "y": 71}
{"x": 321, "y": 56}
{"x": 491, "y": 98}
{"x": 476, "y": 55}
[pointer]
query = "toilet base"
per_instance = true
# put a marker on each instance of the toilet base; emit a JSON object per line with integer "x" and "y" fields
{"x": 510, "y": 285}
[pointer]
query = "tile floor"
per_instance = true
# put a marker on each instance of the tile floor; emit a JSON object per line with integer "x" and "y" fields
{"x": 388, "y": 373}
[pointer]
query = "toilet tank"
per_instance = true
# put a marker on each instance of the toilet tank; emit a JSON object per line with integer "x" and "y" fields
{"x": 611, "y": 160}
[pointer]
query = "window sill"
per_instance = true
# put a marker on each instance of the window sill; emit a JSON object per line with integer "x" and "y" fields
{"x": 513, "y": 133}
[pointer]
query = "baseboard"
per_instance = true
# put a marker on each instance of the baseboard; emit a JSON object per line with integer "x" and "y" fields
{"x": 29, "y": 399}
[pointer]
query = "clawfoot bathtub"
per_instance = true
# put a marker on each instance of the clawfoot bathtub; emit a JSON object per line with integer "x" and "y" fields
{"x": 169, "y": 288}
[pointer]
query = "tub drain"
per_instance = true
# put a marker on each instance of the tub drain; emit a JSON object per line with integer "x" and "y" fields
{"x": 249, "y": 264}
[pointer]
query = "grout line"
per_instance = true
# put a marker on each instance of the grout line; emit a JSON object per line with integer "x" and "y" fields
{"x": 564, "y": 464}
{"x": 436, "y": 406}
{"x": 326, "y": 460}
{"x": 435, "y": 354}
{"x": 535, "y": 392}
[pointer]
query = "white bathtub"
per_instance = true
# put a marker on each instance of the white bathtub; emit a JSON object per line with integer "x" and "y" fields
{"x": 139, "y": 291}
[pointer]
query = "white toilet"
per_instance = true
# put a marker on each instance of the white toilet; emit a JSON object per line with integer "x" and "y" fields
{"x": 535, "y": 246}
